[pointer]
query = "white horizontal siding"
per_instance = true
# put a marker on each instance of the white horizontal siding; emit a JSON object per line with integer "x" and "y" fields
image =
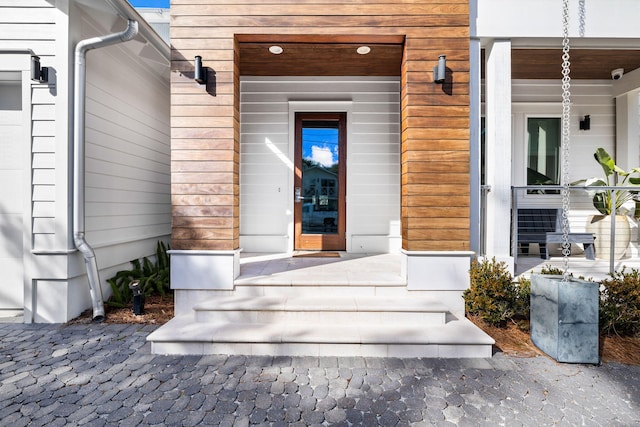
{"x": 588, "y": 97}
{"x": 127, "y": 140}
{"x": 31, "y": 24}
{"x": 373, "y": 154}
{"x": 127, "y": 151}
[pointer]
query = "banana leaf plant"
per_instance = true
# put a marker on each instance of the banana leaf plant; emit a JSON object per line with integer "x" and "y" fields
{"x": 613, "y": 175}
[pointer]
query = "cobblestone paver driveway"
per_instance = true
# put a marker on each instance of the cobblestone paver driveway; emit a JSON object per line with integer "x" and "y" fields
{"x": 104, "y": 375}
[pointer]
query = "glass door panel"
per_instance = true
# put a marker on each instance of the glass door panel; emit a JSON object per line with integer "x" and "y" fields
{"x": 319, "y": 191}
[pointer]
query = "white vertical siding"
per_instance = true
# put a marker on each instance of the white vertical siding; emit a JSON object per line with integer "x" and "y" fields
{"x": 373, "y": 158}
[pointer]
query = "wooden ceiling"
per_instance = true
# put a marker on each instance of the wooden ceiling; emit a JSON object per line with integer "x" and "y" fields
{"x": 339, "y": 58}
{"x": 320, "y": 59}
{"x": 585, "y": 63}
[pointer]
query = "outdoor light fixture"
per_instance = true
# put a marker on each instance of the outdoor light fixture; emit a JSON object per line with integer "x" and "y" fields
{"x": 585, "y": 124}
{"x": 200, "y": 72}
{"x": 276, "y": 50}
{"x": 138, "y": 297}
{"x": 38, "y": 74}
{"x": 363, "y": 50}
{"x": 440, "y": 70}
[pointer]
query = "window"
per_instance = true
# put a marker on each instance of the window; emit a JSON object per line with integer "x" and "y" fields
{"x": 543, "y": 150}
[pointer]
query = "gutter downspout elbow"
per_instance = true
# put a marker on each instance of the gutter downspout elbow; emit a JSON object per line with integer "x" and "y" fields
{"x": 79, "y": 87}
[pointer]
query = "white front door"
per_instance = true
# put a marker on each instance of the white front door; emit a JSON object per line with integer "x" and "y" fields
{"x": 11, "y": 197}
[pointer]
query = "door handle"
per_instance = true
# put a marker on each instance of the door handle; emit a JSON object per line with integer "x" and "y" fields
{"x": 298, "y": 195}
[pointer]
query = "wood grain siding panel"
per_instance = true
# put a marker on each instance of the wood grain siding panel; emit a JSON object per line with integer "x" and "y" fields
{"x": 232, "y": 37}
{"x": 435, "y": 146}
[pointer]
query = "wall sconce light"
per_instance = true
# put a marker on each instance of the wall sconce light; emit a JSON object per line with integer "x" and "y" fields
{"x": 200, "y": 72}
{"x": 38, "y": 74}
{"x": 585, "y": 124}
{"x": 440, "y": 70}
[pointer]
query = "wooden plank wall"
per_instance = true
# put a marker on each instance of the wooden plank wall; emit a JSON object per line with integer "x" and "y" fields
{"x": 435, "y": 118}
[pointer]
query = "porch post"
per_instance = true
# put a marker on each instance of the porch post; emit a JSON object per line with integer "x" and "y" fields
{"x": 475, "y": 172}
{"x": 627, "y": 128}
{"x": 498, "y": 149}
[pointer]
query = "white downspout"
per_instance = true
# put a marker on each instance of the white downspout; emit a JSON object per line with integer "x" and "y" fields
{"x": 79, "y": 86}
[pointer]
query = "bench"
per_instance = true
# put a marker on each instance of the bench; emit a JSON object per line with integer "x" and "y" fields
{"x": 533, "y": 226}
{"x": 540, "y": 226}
{"x": 586, "y": 239}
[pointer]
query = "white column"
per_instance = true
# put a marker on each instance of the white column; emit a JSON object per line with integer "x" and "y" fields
{"x": 628, "y": 130}
{"x": 498, "y": 135}
{"x": 474, "y": 154}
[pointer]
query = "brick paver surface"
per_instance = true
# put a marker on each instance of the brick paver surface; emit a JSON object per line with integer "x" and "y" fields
{"x": 105, "y": 375}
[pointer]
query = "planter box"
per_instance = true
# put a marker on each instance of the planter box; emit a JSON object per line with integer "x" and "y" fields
{"x": 564, "y": 318}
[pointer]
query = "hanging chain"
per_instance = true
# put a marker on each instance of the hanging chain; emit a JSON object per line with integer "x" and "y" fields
{"x": 566, "y": 133}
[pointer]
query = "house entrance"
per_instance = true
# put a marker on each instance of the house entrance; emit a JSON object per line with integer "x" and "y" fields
{"x": 320, "y": 181}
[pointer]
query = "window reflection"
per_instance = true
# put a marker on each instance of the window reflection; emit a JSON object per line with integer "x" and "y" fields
{"x": 320, "y": 161}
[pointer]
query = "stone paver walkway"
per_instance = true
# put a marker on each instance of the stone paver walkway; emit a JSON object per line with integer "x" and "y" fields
{"x": 104, "y": 375}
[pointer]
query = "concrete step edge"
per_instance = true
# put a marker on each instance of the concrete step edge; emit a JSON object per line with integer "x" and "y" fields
{"x": 455, "y": 332}
{"x": 324, "y": 304}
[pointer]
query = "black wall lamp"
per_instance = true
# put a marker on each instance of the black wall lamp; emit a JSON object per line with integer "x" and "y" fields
{"x": 38, "y": 73}
{"x": 585, "y": 124}
{"x": 200, "y": 72}
{"x": 440, "y": 70}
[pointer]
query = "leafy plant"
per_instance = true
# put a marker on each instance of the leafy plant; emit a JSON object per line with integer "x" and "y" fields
{"x": 620, "y": 303}
{"x": 492, "y": 294}
{"x": 550, "y": 270}
{"x": 523, "y": 298}
{"x": 613, "y": 175}
{"x": 153, "y": 278}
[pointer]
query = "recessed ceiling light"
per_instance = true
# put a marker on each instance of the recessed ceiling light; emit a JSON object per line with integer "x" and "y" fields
{"x": 363, "y": 50}
{"x": 276, "y": 50}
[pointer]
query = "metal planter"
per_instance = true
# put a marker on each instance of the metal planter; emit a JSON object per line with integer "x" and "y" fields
{"x": 564, "y": 318}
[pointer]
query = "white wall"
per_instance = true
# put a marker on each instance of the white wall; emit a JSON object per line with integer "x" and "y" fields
{"x": 127, "y": 146}
{"x": 544, "y": 97}
{"x": 373, "y": 159}
{"x": 588, "y": 97}
{"x": 128, "y": 138}
{"x": 543, "y": 18}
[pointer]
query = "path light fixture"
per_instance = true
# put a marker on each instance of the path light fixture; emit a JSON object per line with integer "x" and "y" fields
{"x": 200, "y": 72}
{"x": 138, "y": 297}
{"x": 585, "y": 124}
{"x": 38, "y": 73}
{"x": 440, "y": 70}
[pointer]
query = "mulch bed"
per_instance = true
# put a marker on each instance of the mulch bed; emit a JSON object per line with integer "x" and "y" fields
{"x": 157, "y": 311}
{"x": 515, "y": 340}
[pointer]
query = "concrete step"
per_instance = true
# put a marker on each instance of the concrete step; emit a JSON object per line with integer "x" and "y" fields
{"x": 456, "y": 338}
{"x": 320, "y": 310}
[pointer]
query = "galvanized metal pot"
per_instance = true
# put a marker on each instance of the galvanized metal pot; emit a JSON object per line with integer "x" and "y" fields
{"x": 564, "y": 318}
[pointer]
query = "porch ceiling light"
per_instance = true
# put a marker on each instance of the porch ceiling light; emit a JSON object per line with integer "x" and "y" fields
{"x": 276, "y": 50}
{"x": 363, "y": 50}
{"x": 440, "y": 70}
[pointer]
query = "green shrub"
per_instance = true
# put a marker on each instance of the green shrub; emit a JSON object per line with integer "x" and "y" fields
{"x": 523, "y": 298}
{"x": 554, "y": 271}
{"x": 620, "y": 303}
{"x": 153, "y": 278}
{"x": 492, "y": 294}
